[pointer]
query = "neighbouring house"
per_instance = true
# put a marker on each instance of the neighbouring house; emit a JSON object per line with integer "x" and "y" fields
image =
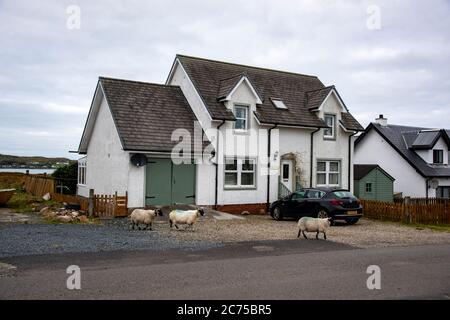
{"x": 253, "y": 132}
{"x": 373, "y": 183}
{"x": 418, "y": 158}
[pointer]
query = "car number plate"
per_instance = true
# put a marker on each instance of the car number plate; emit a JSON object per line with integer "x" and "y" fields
{"x": 352, "y": 213}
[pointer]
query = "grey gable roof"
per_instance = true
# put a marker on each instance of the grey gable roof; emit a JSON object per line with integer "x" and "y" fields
{"x": 361, "y": 170}
{"x": 146, "y": 114}
{"x": 401, "y": 139}
{"x": 213, "y": 78}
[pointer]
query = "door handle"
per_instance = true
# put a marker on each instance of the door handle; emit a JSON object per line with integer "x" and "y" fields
{"x": 149, "y": 197}
{"x": 193, "y": 196}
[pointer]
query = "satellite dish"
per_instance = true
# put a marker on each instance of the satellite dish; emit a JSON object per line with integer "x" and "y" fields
{"x": 138, "y": 159}
{"x": 434, "y": 183}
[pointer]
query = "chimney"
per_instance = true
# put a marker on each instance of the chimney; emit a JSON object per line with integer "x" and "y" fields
{"x": 381, "y": 121}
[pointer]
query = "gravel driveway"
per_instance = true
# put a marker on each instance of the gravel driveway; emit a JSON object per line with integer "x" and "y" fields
{"x": 36, "y": 237}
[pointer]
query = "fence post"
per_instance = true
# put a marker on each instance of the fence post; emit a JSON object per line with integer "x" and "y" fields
{"x": 406, "y": 208}
{"x": 91, "y": 203}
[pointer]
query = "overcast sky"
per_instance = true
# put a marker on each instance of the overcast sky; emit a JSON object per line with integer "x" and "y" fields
{"x": 48, "y": 72}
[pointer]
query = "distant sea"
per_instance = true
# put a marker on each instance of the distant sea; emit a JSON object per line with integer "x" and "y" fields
{"x": 32, "y": 171}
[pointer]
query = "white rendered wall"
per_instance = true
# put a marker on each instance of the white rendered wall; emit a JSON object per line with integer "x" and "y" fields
{"x": 375, "y": 150}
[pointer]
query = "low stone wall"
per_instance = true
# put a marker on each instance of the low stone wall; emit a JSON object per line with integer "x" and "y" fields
{"x": 252, "y": 208}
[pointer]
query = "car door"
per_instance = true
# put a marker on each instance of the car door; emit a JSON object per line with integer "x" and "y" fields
{"x": 314, "y": 197}
{"x": 295, "y": 206}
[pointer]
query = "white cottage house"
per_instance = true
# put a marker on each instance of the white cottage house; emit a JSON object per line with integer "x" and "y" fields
{"x": 254, "y": 133}
{"x": 418, "y": 158}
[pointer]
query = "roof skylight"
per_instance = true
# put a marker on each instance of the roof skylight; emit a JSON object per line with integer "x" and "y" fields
{"x": 279, "y": 104}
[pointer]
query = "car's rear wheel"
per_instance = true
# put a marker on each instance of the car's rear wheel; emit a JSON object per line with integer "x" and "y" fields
{"x": 277, "y": 215}
{"x": 322, "y": 214}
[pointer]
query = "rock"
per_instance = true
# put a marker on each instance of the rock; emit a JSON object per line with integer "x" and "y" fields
{"x": 50, "y": 214}
{"x": 83, "y": 219}
{"x": 64, "y": 219}
{"x": 45, "y": 210}
{"x": 47, "y": 196}
{"x": 74, "y": 214}
{"x": 262, "y": 211}
{"x": 245, "y": 213}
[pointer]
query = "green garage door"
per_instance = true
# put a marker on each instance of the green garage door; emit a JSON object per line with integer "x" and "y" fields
{"x": 167, "y": 183}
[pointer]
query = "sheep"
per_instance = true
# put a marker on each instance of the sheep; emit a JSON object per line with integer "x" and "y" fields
{"x": 184, "y": 217}
{"x": 145, "y": 217}
{"x": 317, "y": 225}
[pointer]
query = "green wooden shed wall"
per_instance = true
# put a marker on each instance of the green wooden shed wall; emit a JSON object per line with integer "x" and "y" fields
{"x": 373, "y": 184}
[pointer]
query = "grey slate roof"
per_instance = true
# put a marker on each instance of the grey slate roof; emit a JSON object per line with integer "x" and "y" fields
{"x": 314, "y": 99}
{"x": 361, "y": 170}
{"x": 146, "y": 114}
{"x": 426, "y": 139}
{"x": 213, "y": 78}
{"x": 401, "y": 138}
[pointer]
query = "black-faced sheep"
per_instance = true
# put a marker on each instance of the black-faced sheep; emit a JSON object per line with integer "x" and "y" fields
{"x": 317, "y": 225}
{"x": 184, "y": 217}
{"x": 144, "y": 217}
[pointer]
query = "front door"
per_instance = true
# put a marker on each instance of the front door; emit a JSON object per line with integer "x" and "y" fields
{"x": 167, "y": 183}
{"x": 287, "y": 173}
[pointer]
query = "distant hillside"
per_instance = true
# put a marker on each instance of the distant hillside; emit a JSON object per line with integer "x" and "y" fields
{"x": 8, "y": 161}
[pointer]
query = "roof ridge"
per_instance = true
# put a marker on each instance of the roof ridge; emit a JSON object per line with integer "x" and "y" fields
{"x": 242, "y": 74}
{"x": 137, "y": 81}
{"x": 248, "y": 66}
{"x": 327, "y": 87}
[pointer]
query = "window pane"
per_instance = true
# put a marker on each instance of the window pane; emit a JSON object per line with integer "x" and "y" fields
{"x": 321, "y": 178}
{"x": 285, "y": 171}
{"x": 329, "y": 121}
{"x": 321, "y": 166}
{"x": 230, "y": 179}
{"x": 299, "y": 195}
{"x": 328, "y": 132}
{"x": 334, "y": 178}
{"x": 230, "y": 164}
{"x": 247, "y": 179}
{"x": 247, "y": 165}
{"x": 334, "y": 166}
{"x": 239, "y": 124}
{"x": 241, "y": 112}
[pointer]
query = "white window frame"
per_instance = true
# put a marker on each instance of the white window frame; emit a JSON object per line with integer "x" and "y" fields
{"x": 246, "y": 119}
{"x": 332, "y": 127}
{"x": 82, "y": 166}
{"x": 328, "y": 172}
{"x": 239, "y": 171}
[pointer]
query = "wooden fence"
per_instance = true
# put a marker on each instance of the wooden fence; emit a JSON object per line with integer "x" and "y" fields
{"x": 110, "y": 206}
{"x": 39, "y": 185}
{"x": 423, "y": 200}
{"x": 432, "y": 213}
{"x": 72, "y": 199}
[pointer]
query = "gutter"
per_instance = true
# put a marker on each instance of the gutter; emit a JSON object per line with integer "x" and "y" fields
{"x": 350, "y": 158}
{"x": 312, "y": 157}
{"x": 217, "y": 165}
{"x": 269, "y": 151}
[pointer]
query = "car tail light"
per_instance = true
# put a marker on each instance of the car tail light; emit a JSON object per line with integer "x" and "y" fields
{"x": 336, "y": 202}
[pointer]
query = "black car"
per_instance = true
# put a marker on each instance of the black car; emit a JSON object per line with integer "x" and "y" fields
{"x": 337, "y": 204}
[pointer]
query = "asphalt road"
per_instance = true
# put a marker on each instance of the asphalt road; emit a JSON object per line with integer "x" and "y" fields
{"x": 288, "y": 269}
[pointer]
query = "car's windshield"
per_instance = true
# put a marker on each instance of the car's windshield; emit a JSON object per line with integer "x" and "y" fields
{"x": 298, "y": 195}
{"x": 343, "y": 194}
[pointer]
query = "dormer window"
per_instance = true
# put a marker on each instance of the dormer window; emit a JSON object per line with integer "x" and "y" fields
{"x": 438, "y": 156}
{"x": 330, "y": 121}
{"x": 279, "y": 104}
{"x": 241, "y": 115}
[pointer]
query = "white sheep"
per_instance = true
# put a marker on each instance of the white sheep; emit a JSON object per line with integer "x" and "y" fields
{"x": 145, "y": 217}
{"x": 184, "y": 217}
{"x": 317, "y": 225}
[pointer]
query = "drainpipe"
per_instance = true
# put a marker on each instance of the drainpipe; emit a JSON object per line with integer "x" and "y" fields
{"x": 269, "y": 151}
{"x": 350, "y": 159}
{"x": 427, "y": 184}
{"x": 217, "y": 165}
{"x": 312, "y": 158}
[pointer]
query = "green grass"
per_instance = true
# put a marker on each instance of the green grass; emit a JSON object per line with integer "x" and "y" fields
{"x": 23, "y": 202}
